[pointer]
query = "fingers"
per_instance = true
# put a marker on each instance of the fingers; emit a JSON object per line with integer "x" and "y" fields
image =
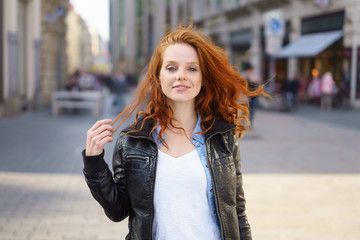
{"x": 101, "y": 143}
{"x": 99, "y": 127}
{"x": 103, "y": 135}
{"x": 100, "y": 123}
{"x": 97, "y": 136}
{"x": 97, "y": 145}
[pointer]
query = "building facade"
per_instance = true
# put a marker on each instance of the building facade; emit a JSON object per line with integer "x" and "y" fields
{"x": 330, "y": 27}
{"x": 20, "y": 28}
{"x": 53, "y": 55}
{"x": 79, "y": 43}
{"x": 136, "y": 26}
{"x": 248, "y": 31}
{"x": 31, "y": 53}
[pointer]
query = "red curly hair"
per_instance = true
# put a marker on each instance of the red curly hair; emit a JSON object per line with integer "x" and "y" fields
{"x": 223, "y": 95}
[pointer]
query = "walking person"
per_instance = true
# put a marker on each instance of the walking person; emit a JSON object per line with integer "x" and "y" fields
{"x": 314, "y": 87}
{"x": 327, "y": 86}
{"x": 176, "y": 170}
{"x": 119, "y": 85}
{"x": 253, "y": 83}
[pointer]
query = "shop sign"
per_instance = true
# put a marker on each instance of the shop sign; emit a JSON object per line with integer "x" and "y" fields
{"x": 274, "y": 31}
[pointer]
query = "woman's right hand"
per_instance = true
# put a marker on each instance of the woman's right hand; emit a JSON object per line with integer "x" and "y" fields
{"x": 99, "y": 134}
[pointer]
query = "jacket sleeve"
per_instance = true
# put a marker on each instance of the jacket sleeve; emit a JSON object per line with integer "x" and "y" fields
{"x": 244, "y": 226}
{"x": 107, "y": 189}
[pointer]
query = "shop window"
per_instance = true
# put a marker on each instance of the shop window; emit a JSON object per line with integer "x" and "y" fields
{"x": 280, "y": 65}
{"x": 329, "y": 22}
{"x": 240, "y": 44}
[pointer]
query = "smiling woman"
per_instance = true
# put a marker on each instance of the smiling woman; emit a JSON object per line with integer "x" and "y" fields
{"x": 180, "y": 75}
{"x": 186, "y": 139}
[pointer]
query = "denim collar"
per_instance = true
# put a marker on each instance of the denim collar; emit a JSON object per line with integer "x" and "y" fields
{"x": 195, "y": 136}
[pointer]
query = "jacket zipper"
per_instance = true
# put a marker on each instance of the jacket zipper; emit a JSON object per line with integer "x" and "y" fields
{"x": 135, "y": 156}
{"x": 153, "y": 183}
{"x": 214, "y": 184}
{"x": 216, "y": 199}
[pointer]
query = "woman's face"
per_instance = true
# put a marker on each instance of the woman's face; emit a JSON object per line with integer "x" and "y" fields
{"x": 180, "y": 74}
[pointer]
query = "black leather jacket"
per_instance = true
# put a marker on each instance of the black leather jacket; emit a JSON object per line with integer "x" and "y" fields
{"x": 129, "y": 192}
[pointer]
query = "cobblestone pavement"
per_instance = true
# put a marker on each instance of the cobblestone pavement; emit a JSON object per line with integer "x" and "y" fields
{"x": 301, "y": 177}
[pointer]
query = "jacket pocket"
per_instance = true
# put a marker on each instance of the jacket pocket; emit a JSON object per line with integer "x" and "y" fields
{"x": 224, "y": 161}
{"x": 136, "y": 162}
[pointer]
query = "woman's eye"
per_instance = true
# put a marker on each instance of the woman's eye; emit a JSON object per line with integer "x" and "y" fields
{"x": 170, "y": 68}
{"x": 193, "y": 69}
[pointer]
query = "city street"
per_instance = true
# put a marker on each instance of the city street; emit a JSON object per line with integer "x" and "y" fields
{"x": 301, "y": 174}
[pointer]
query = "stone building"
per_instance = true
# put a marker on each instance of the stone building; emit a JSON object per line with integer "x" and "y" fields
{"x": 32, "y": 59}
{"x": 79, "y": 43}
{"x": 53, "y": 45}
{"x": 322, "y": 34}
{"x": 266, "y": 33}
{"x": 136, "y": 26}
{"x": 20, "y": 29}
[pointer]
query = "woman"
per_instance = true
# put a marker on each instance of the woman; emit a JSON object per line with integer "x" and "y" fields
{"x": 177, "y": 168}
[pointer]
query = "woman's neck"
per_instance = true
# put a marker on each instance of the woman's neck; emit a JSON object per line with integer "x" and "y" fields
{"x": 185, "y": 115}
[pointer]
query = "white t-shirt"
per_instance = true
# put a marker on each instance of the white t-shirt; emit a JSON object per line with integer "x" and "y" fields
{"x": 182, "y": 210}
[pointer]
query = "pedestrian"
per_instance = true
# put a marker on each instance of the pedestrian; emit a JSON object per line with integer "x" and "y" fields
{"x": 327, "y": 87}
{"x": 314, "y": 91}
{"x": 176, "y": 170}
{"x": 290, "y": 92}
{"x": 254, "y": 82}
{"x": 119, "y": 88}
{"x": 73, "y": 83}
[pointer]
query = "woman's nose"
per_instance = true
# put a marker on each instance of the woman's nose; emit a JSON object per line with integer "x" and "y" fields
{"x": 180, "y": 75}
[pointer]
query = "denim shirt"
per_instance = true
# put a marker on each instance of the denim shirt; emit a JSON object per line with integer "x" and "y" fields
{"x": 199, "y": 142}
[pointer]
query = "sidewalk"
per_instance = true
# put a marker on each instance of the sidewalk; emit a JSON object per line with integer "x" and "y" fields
{"x": 302, "y": 175}
{"x": 301, "y": 178}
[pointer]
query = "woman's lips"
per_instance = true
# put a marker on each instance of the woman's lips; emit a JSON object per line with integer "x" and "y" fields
{"x": 181, "y": 87}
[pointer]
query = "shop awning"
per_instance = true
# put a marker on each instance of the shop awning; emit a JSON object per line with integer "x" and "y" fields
{"x": 310, "y": 45}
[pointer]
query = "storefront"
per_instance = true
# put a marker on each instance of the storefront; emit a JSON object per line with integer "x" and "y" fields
{"x": 240, "y": 47}
{"x": 323, "y": 51}
{"x": 330, "y": 30}
{"x": 320, "y": 46}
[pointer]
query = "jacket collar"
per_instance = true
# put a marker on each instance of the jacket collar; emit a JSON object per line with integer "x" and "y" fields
{"x": 219, "y": 126}
{"x": 145, "y": 131}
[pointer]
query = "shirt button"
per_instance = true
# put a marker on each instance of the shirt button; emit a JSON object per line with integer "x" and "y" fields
{"x": 211, "y": 190}
{"x": 207, "y": 166}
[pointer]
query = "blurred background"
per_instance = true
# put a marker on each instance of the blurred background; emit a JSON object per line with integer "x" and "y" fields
{"x": 44, "y": 43}
{"x": 66, "y": 63}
